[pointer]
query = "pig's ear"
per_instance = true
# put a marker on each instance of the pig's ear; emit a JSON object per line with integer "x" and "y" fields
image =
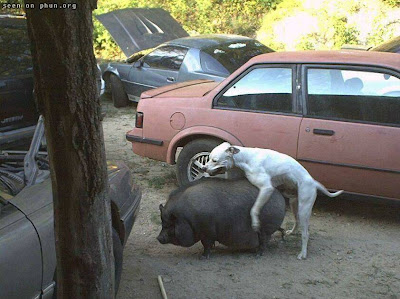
{"x": 232, "y": 150}
{"x": 161, "y": 208}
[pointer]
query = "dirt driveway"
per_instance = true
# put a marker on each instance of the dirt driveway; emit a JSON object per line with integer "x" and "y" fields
{"x": 354, "y": 248}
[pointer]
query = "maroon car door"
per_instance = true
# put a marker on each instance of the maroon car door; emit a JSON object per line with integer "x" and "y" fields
{"x": 259, "y": 108}
{"x": 350, "y": 136}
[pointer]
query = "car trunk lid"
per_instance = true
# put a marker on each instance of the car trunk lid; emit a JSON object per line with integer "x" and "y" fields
{"x": 136, "y": 29}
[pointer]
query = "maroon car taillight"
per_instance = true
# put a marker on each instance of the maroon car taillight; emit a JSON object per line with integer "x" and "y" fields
{"x": 139, "y": 120}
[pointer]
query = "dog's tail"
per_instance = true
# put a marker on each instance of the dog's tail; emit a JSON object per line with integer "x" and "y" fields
{"x": 326, "y": 192}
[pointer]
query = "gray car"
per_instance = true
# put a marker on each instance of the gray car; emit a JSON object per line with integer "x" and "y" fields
{"x": 390, "y": 46}
{"x": 211, "y": 57}
{"x": 27, "y": 244}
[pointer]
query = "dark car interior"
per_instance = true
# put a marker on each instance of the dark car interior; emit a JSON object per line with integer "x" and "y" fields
{"x": 346, "y": 100}
{"x": 353, "y": 107}
{"x": 18, "y": 113}
{"x": 271, "y": 102}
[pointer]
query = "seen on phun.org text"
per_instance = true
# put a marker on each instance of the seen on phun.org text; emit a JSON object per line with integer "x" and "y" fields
{"x": 45, "y": 5}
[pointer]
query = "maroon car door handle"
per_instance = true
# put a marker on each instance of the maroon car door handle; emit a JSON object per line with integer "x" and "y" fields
{"x": 323, "y": 132}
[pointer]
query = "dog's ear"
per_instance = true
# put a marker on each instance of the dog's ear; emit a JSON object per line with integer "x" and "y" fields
{"x": 232, "y": 150}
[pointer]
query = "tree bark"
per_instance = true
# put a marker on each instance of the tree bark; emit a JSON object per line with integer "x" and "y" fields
{"x": 65, "y": 70}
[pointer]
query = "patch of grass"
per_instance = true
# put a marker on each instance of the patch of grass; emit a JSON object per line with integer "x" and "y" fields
{"x": 158, "y": 182}
{"x": 155, "y": 218}
{"x": 170, "y": 177}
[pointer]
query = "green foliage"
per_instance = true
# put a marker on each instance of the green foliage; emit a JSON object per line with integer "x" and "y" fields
{"x": 392, "y": 3}
{"x": 104, "y": 45}
{"x": 17, "y": 7}
{"x": 327, "y": 24}
{"x": 196, "y": 17}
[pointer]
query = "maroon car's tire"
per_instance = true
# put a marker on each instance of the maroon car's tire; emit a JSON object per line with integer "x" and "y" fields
{"x": 118, "y": 94}
{"x": 195, "y": 151}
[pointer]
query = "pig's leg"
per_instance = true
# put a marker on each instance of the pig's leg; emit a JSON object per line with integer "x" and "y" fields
{"x": 207, "y": 244}
{"x": 262, "y": 242}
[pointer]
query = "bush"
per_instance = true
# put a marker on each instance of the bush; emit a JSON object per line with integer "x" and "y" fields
{"x": 325, "y": 24}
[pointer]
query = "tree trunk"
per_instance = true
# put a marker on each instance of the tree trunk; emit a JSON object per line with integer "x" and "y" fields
{"x": 65, "y": 70}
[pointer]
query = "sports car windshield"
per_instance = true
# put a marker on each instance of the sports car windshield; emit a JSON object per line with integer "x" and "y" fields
{"x": 235, "y": 54}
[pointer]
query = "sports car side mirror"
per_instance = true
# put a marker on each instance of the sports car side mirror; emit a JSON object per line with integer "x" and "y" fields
{"x": 138, "y": 63}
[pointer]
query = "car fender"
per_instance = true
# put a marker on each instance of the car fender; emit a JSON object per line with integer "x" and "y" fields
{"x": 110, "y": 70}
{"x": 201, "y": 132}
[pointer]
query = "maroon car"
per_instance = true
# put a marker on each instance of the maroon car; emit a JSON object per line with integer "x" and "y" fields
{"x": 336, "y": 112}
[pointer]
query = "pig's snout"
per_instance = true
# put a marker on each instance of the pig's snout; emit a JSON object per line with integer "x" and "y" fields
{"x": 162, "y": 238}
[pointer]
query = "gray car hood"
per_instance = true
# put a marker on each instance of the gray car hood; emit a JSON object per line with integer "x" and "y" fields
{"x": 136, "y": 29}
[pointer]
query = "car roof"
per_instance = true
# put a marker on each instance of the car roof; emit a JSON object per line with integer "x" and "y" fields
{"x": 384, "y": 59}
{"x": 388, "y": 46}
{"x": 207, "y": 40}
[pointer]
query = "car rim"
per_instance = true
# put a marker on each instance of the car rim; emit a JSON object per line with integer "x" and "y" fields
{"x": 194, "y": 171}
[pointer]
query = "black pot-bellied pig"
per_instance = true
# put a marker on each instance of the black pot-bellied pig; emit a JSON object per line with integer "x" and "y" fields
{"x": 214, "y": 209}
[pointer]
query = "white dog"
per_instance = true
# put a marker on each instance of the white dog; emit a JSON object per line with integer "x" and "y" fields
{"x": 267, "y": 170}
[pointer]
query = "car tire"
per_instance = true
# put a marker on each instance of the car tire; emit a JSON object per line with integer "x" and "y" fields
{"x": 118, "y": 259}
{"x": 118, "y": 94}
{"x": 197, "y": 150}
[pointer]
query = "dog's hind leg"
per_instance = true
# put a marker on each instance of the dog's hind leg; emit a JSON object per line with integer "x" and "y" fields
{"x": 306, "y": 199}
{"x": 294, "y": 207}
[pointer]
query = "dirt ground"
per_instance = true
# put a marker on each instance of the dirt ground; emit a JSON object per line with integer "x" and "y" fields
{"x": 354, "y": 248}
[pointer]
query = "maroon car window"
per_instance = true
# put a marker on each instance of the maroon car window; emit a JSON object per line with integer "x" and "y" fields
{"x": 262, "y": 89}
{"x": 353, "y": 95}
{"x": 167, "y": 57}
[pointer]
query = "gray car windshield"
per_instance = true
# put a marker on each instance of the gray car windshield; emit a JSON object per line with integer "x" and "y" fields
{"x": 235, "y": 54}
